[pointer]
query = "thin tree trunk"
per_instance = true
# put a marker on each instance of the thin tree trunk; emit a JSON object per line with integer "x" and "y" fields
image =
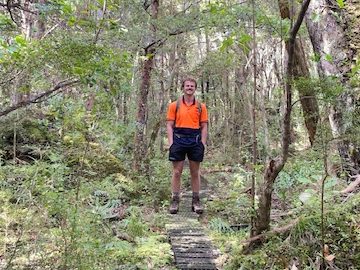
{"x": 146, "y": 68}
{"x": 307, "y": 99}
{"x": 254, "y": 138}
{"x": 140, "y": 138}
{"x": 40, "y": 23}
{"x": 159, "y": 121}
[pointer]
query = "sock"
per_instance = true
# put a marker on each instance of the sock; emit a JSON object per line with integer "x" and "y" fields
{"x": 175, "y": 194}
{"x": 195, "y": 194}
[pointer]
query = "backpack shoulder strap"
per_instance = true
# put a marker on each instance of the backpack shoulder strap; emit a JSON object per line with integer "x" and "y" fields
{"x": 176, "y": 109}
{"x": 199, "y": 107}
{"x": 199, "y": 110}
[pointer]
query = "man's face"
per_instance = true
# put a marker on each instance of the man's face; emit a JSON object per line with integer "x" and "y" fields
{"x": 189, "y": 87}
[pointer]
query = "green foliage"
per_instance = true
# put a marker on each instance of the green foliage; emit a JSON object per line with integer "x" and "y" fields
{"x": 39, "y": 201}
{"x": 154, "y": 252}
{"x": 296, "y": 177}
{"x": 14, "y": 50}
{"x": 340, "y": 3}
{"x": 231, "y": 204}
{"x": 134, "y": 225}
{"x": 328, "y": 88}
{"x": 158, "y": 186}
{"x": 6, "y": 24}
{"x": 303, "y": 241}
{"x": 219, "y": 225}
{"x": 355, "y": 74}
{"x": 299, "y": 182}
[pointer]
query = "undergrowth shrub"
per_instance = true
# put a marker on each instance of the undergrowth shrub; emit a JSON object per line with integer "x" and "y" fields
{"x": 302, "y": 244}
{"x": 231, "y": 203}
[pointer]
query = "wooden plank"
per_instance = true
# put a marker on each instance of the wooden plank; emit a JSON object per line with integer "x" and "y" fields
{"x": 192, "y": 248}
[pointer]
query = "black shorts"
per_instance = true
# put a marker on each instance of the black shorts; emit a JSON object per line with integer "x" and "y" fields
{"x": 191, "y": 147}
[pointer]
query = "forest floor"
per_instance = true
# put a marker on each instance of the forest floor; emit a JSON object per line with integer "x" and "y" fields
{"x": 70, "y": 203}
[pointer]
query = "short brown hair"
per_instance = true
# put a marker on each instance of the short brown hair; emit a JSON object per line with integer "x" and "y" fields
{"x": 188, "y": 80}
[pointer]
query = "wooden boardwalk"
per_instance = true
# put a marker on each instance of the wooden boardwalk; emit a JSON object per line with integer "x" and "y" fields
{"x": 192, "y": 248}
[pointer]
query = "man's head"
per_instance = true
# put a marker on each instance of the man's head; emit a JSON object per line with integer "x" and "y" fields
{"x": 189, "y": 86}
{"x": 188, "y": 80}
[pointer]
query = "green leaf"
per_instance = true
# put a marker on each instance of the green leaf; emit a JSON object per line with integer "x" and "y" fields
{"x": 315, "y": 17}
{"x": 66, "y": 9}
{"x": 71, "y": 21}
{"x": 341, "y": 3}
{"x": 304, "y": 180}
{"x": 316, "y": 57}
{"x": 20, "y": 40}
{"x": 244, "y": 41}
{"x": 226, "y": 43}
{"x": 328, "y": 58}
{"x": 213, "y": 9}
{"x": 331, "y": 182}
{"x": 245, "y": 38}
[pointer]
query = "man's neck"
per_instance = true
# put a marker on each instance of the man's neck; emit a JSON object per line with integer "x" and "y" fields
{"x": 189, "y": 99}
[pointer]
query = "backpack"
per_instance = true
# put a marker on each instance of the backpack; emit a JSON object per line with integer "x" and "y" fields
{"x": 178, "y": 102}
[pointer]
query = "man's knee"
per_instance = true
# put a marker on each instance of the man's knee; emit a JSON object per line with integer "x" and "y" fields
{"x": 177, "y": 173}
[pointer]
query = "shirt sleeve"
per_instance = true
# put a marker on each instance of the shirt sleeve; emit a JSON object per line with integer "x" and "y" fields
{"x": 204, "y": 114}
{"x": 171, "y": 112}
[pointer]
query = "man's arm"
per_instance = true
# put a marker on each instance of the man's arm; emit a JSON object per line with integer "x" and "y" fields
{"x": 204, "y": 131}
{"x": 170, "y": 131}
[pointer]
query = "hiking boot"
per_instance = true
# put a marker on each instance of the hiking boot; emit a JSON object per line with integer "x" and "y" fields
{"x": 174, "y": 205}
{"x": 196, "y": 206}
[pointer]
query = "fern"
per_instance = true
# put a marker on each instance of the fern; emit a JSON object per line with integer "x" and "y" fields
{"x": 219, "y": 225}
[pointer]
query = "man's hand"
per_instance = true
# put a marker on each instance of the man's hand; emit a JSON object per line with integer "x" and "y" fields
{"x": 167, "y": 147}
{"x": 205, "y": 146}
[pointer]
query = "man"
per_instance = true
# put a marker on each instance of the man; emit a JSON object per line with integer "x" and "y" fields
{"x": 187, "y": 123}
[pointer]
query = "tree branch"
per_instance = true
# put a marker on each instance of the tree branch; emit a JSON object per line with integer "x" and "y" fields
{"x": 289, "y": 74}
{"x": 353, "y": 185}
{"x": 37, "y": 98}
{"x": 274, "y": 231}
{"x": 299, "y": 19}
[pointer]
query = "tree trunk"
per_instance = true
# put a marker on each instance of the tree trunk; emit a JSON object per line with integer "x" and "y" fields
{"x": 140, "y": 138}
{"x": 26, "y": 19}
{"x": 40, "y": 23}
{"x": 329, "y": 38}
{"x": 307, "y": 99}
{"x": 146, "y": 68}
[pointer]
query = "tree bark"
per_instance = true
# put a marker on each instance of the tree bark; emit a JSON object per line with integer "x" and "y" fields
{"x": 146, "y": 68}
{"x": 329, "y": 38}
{"x": 40, "y": 22}
{"x": 309, "y": 104}
{"x": 140, "y": 138}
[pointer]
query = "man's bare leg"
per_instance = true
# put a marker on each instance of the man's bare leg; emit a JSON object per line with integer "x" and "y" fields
{"x": 175, "y": 186}
{"x": 195, "y": 185}
{"x": 176, "y": 176}
{"x": 195, "y": 175}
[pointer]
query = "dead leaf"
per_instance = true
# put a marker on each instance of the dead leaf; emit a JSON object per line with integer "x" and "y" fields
{"x": 326, "y": 250}
{"x": 330, "y": 257}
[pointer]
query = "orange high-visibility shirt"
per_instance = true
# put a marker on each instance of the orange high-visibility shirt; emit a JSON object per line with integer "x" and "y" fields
{"x": 187, "y": 116}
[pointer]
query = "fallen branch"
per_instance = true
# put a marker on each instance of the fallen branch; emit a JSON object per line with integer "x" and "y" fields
{"x": 274, "y": 231}
{"x": 280, "y": 215}
{"x": 38, "y": 98}
{"x": 205, "y": 171}
{"x": 352, "y": 186}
